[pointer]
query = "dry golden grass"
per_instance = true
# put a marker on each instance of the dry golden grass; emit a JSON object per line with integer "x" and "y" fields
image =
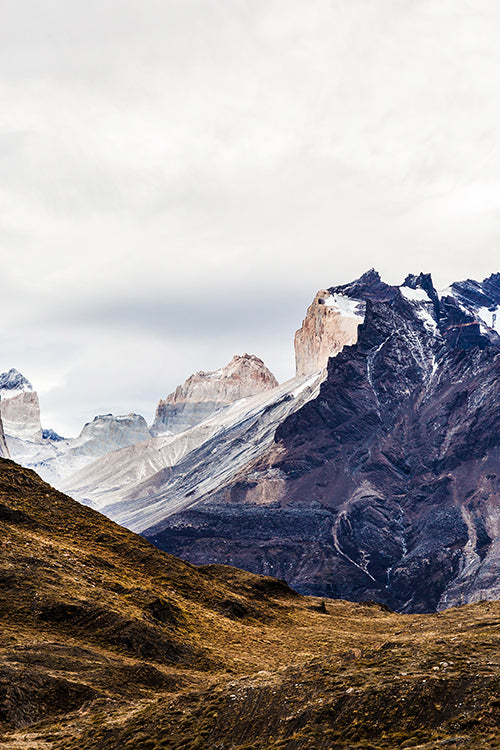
{"x": 107, "y": 643}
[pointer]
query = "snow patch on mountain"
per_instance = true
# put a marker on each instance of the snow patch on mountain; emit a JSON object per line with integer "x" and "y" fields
{"x": 415, "y": 295}
{"x": 353, "y": 308}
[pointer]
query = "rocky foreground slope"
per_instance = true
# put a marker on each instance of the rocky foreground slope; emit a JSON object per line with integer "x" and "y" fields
{"x": 107, "y": 643}
{"x": 386, "y": 485}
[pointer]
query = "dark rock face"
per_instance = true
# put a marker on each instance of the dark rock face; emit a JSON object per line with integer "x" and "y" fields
{"x": 391, "y": 477}
{"x": 4, "y": 451}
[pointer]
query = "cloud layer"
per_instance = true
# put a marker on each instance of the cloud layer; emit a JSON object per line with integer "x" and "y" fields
{"x": 178, "y": 178}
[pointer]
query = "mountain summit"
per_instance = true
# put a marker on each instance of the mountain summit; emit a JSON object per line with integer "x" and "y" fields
{"x": 19, "y": 407}
{"x": 205, "y": 393}
{"x": 373, "y": 475}
{"x": 12, "y": 383}
{"x": 385, "y": 486}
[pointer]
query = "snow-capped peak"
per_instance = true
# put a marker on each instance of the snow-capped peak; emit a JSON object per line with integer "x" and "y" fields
{"x": 12, "y": 383}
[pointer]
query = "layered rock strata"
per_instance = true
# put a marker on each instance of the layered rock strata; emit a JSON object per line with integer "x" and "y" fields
{"x": 205, "y": 393}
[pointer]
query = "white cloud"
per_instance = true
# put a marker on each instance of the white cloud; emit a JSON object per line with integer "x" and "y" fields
{"x": 159, "y": 158}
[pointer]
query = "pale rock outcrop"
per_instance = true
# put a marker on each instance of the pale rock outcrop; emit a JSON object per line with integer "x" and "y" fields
{"x": 107, "y": 432}
{"x": 19, "y": 407}
{"x": 205, "y": 393}
{"x": 331, "y": 323}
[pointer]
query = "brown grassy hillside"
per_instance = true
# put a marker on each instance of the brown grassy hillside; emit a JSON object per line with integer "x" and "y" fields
{"x": 106, "y": 642}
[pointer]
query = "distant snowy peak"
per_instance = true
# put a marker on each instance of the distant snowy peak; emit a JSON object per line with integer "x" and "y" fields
{"x": 54, "y": 457}
{"x": 19, "y": 408}
{"x": 12, "y": 383}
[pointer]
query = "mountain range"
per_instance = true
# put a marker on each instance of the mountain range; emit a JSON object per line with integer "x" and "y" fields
{"x": 386, "y": 485}
{"x": 373, "y": 474}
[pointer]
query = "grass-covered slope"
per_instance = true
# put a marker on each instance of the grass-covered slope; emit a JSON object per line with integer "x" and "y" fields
{"x": 106, "y": 642}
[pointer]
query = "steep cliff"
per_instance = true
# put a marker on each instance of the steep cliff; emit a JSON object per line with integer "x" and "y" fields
{"x": 331, "y": 323}
{"x": 205, "y": 393}
{"x": 19, "y": 407}
{"x": 387, "y": 485}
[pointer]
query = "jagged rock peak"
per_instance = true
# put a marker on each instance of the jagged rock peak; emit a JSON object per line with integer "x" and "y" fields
{"x": 422, "y": 281}
{"x": 369, "y": 286}
{"x": 466, "y": 314}
{"x": 13, "y": 382}
{"x": 206, "y": 392}
{"x": 333, "y": 318}
{"x": 485, "y": 294}
{"x": 245, "y": 375}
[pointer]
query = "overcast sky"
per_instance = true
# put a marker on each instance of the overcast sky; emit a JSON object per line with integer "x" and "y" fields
{"x": 179, "y": 177}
